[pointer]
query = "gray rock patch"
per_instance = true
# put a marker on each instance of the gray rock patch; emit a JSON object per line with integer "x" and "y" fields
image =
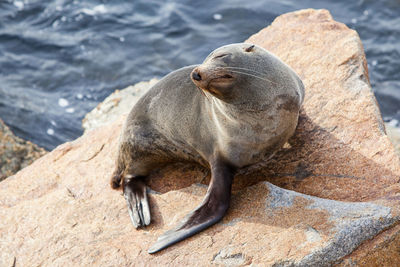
{"x": 354, "y": 222}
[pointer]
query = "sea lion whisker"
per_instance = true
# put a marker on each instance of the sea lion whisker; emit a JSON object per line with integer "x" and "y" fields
{"x": 202, "y": 92}
{"x": 245, "y": 69}
{"x": 255, "y": 76}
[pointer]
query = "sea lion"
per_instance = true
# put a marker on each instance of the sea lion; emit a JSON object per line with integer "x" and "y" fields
{"x": 234, "y": 110}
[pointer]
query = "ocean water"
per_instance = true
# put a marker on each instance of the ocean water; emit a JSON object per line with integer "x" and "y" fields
{"x": 60, "y": 58}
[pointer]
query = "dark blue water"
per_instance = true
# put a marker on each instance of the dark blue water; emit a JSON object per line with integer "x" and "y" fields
{"x": 59, "y": 58}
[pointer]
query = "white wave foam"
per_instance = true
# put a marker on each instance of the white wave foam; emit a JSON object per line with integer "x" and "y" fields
{"x": 62, "y": 102}
{"x": 50, "y": 131}
{"x": 19, "y": 4}
{"x": 217, "y": 16}
{"x": 99, "y": 9}
{"x": 70, "y": 110}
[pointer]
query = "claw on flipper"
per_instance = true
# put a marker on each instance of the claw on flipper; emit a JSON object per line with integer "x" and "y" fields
{"x": 138, "y": 205}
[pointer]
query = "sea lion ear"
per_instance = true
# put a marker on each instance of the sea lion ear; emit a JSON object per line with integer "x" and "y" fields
{"x": 250, "y": 48}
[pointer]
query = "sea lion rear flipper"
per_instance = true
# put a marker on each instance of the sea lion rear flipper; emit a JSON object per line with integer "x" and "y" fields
{"x": 211, "y": 210}
{"x": 136, "y": 198}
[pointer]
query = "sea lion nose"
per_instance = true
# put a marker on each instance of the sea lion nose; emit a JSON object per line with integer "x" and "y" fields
{"x": 196, "y": 76}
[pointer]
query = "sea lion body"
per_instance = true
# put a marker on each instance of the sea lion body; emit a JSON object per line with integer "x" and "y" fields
{"x": 234, "y": 110}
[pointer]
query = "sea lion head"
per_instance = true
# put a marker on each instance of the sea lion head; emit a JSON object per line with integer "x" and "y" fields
{"x": 238, "y": 73}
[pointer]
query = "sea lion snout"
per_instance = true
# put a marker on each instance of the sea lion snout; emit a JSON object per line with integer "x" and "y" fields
{"x": 203, "y": 75}
{"x": 214, "y": 80}
{"x": 200, "y": 77}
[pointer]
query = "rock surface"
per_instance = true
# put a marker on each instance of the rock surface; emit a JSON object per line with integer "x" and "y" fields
{"x": 332, "y": 191}
{"x": 15, "y": 153}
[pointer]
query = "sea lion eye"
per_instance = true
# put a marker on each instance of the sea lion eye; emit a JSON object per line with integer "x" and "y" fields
{"x": 250, "y": 48}
{"x": 227, "y": 76}
{"x": 221, "y": 56}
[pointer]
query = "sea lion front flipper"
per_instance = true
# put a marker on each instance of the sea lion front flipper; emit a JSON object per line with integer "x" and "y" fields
{"x": 136, "y": 198}
{"x": 211, "y": 210}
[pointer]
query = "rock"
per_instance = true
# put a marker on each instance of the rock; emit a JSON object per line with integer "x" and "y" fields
{"x": 116, "y": 104}
{"x": 330, "y": 196}
{"x": 15, "y": 153}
